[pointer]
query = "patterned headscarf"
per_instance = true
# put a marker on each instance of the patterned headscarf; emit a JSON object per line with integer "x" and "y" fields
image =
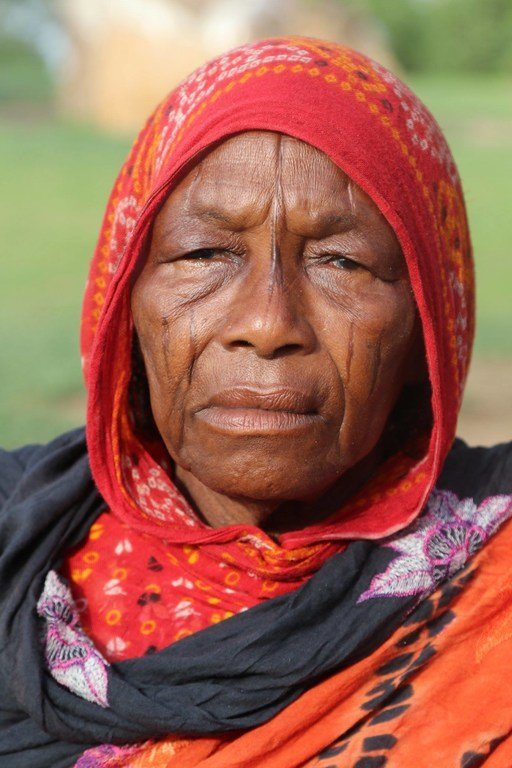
{"x": 370, "y": 125}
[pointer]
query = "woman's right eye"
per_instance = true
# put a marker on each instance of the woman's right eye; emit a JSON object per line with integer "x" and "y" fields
{"x": 203, "y": 253}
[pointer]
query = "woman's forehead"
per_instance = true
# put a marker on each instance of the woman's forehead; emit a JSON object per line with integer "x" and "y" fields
{"x": 239, "y": 179}
{"x": 263, "y": 159}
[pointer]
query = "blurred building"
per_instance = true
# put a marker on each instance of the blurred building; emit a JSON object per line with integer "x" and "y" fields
{"x": 126, "y": 54}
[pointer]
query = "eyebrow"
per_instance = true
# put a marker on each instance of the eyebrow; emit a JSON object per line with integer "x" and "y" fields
{"x": 324, "y": 223}
{"x": 200, "y": 213}
{"x": 347, "y": 220}
{"x": 211, "y": 213}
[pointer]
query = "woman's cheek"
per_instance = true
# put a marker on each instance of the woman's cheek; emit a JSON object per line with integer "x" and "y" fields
{"x": 370, "y": 348}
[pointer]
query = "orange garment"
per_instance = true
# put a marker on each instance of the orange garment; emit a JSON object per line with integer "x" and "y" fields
{"x": 436, "y": 693}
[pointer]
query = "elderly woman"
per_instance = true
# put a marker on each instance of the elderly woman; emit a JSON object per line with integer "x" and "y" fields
{"x": 269, "y": 551}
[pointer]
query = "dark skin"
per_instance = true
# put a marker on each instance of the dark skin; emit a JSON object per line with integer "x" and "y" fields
{"x": 278, "y": 328}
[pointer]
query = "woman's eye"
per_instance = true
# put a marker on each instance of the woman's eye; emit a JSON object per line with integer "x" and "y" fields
{"x": 203, "y": 253}
{"x": 342, "y": 262}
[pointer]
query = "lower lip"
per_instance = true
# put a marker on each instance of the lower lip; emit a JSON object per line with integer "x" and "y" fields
{"x": 256, "y": 420}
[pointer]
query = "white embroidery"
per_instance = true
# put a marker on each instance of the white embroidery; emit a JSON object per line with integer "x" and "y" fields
{"x": 438, "y": 544}
{"x": 72, "y": 658}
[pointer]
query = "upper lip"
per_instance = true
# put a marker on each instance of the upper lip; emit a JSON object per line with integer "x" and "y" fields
{"x": 276, "y": 399}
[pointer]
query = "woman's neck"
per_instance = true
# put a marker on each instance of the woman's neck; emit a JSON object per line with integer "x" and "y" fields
{"x": 274, "y": 515}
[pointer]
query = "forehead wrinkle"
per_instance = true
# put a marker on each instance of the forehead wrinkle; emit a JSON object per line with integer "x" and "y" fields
{"x": 177, "y": 206}
{"x": 236, "y": 194}
{"x": 278, "y": 216}
{"x": 323, "y": 204}
{"x": 194, "y": 177}
{"x": 352, "y": 202}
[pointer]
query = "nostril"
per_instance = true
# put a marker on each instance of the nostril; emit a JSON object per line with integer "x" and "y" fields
{"x": 268, "y": 351}
{"x": 287, "y": 349}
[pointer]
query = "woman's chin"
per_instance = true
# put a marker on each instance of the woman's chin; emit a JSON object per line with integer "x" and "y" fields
{"x": 266, "y": 482}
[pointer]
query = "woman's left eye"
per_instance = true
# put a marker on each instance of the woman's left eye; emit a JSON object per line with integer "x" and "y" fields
{"x": 203, "y": 253}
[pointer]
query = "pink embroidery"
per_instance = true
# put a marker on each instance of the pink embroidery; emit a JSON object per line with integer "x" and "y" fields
{"x": 108, "y": 756}
{"x": 71, "y": 656}
{"x": 438, "y": 544}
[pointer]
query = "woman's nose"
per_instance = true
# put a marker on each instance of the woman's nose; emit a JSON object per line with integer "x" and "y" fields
{"x": 269, "y": 316}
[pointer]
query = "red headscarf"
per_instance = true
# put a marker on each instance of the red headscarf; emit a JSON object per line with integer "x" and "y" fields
{"x": 371, "y": 125}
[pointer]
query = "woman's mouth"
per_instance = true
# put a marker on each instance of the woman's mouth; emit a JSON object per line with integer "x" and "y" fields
{"x": 254, "y": 411}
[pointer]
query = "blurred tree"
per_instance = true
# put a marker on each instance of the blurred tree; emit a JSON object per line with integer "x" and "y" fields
{"x": 32, "y": 47}
{"x": 445, "y": 35}
{"x": 23, "y": 74}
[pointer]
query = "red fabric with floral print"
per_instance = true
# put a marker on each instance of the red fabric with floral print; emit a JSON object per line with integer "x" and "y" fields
{"x": 137, "y": 593}
{"x": 381, "y": 135}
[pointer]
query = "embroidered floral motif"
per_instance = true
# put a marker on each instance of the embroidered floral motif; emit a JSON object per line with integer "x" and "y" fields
{"x": 107, "y": 756}
{"x": 71, "y": 656}
{"x": 438, "y": 544}
{"x": 148, "y": 754}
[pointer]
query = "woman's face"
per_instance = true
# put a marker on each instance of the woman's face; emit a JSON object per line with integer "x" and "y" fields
{"x": 275, "y": 318}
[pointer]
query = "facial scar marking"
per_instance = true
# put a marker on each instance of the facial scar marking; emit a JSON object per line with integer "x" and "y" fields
{"x": 376, "y": 362}
{"x": 350, "y": 350}
{"x": 276, "y": 277}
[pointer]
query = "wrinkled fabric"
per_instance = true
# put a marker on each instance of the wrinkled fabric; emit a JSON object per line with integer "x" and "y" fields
{"x": 136, "y": 593}
{"x": 436, "y": 693}
{"x": 240, "y": 673}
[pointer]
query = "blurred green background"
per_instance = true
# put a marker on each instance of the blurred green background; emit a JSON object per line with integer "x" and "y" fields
{"x": 56, "y": 176}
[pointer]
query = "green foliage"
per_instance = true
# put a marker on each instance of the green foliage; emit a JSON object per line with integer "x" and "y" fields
{"x": 445, "y": 35}
{"x": 23, "y": 74}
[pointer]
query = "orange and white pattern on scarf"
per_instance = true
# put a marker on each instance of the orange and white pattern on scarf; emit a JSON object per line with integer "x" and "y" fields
{"x": 137, "y": 593}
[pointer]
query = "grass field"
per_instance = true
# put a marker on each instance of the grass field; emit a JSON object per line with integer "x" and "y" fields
{"x": 59, "y": 177}
{"x": 56, "y": 178}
